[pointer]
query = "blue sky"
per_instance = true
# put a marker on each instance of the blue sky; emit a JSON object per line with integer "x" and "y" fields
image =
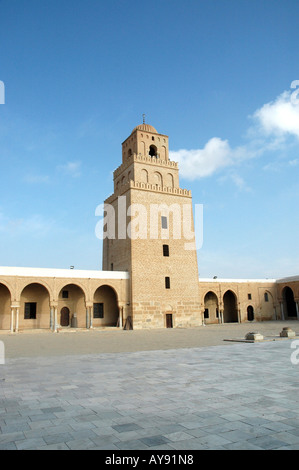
{"x": 214, "y": 75}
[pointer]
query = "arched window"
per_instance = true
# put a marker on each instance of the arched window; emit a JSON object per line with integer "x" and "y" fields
{"x": 158, "y": 178}
{"x": 144, "y": 176}
{"x": 153, "y": 151}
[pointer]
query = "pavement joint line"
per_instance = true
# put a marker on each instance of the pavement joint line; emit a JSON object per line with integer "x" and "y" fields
{"x": 210, "y": 396}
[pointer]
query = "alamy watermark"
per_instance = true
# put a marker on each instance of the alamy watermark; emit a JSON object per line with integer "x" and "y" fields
{"x": 295, "y": 354}
{"x": 295, "y": 94}
{"x": 151, "y": 222}
{"x": 2, "y": 353}
{"x": 2, "y": 92}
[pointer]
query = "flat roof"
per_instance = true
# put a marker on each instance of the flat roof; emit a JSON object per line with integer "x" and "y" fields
{"x": 237, "y": 280}
{"x": 62, "y": 273}
{"x": 288, "y": 279}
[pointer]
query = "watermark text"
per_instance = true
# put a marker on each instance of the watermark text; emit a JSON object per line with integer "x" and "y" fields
{"x": 151, "y": 222}
{"x": 2, "y": 92}
{"x": 295, "y": 354}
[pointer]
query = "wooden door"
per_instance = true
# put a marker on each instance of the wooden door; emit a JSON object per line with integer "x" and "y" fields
{"x": 169, "y": 323}
{"x": 64, "y": 317}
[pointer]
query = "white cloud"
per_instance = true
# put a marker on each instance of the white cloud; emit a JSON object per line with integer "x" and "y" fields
{"x": 216, "y": 154}
{"x": 280, "y": 117}
{"x": 236, "y": 179}
{"x": 72, "y": 169}
{"x": 272, "y": 124}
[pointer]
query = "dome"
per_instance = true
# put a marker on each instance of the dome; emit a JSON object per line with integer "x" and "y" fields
{"x": 145, "y": 128}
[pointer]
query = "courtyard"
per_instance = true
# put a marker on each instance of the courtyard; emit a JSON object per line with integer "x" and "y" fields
{"x": 168, "y": 389}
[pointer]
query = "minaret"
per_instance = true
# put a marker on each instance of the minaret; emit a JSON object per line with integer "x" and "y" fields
{"x": 152, "y": 215}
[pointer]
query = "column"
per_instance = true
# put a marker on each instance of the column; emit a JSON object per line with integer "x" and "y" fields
{"x": 12, "y": 315}
{"x": 221, "y": 315}
{"x": 121, "y": 309}
{"x": 90, "y": 317}
{"x": 203, "y": 318}
{"x": 87, "y": 318}
{"x": 297, "y": 309}
{"x": 282, "y": 311}
{"x": 55, "y": 320}
{"x": 17, "y": 319}
{"x": 239, "y": 315}
{"x": 51, "y": 318}
{"x": 218, "y": 314}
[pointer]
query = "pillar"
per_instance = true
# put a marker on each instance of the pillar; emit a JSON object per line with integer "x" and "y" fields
{"x": 91, "y": 317}
{"x": 87, "y": 318}
{"x": 282, "y": 311}
{"x": 297, "y": 310}
{"x": 121, "y": 310}
{"x": 55, "y": 320}
{"x": 221, "y": 315}
{"x": 51, "y": 318}
{"x": 17, "y": 319}
{"x": 12, "y": 315}
{"x": 239, "y": 315}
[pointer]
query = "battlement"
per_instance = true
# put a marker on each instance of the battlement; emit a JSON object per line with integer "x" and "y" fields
{"x": 148, "y": 187}
{"x": 144, "y": 159}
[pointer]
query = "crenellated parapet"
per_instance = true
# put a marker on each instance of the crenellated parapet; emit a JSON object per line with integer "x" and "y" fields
{"x": 148, "y": 187}
{"x": 153, "y": 161}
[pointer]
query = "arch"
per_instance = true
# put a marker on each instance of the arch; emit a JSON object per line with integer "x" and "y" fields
{"x": 211, "y": 313}
{"x": 39, "y": 281}
{"x": 5, "y": 307}
{"x": 169, "y": 180}
{"x": 163, "y": 152}
{"x": 158, "y": 180}
{"x": 142, "y": 148}
{"x": 6, "y": 284}
{"x": 267, "y": 306}
{"x": 105, "y": 306}
{"x": 63, "y": 284}
{"x": 144, "y": 176}
{"x": 130, "y": 153}
{"x": 230, "y": 311}
{"x": 168, "y": 308}
{"x": 73, "y": 297}
{"x": 64, "y": 316}
{"x": 250, "y": 313}
{"x": 153, "y": 151}
{"x": 34, "y": 306}
{"x": 289, "y": 303}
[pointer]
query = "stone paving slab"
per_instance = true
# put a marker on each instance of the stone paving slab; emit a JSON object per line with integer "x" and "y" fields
{"x": 244, "y": 396}
{"x": 33, "y": 343}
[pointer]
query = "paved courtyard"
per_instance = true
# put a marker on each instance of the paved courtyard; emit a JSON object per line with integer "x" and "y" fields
{"x": 223, "y": 396}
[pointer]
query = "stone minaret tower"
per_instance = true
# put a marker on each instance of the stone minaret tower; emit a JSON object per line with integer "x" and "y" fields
{"x": 153, "y": 217}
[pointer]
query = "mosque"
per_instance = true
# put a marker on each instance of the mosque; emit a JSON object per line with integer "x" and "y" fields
{"x": 150, "y": 273}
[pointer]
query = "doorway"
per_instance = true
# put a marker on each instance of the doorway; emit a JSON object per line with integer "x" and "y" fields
{"x": 230, "y": 307}
{"x": 289, "y": 302}
{"x": 250, "y": 313}
{"x": 169, "y": 321}
{"x": 65, "y": 317}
